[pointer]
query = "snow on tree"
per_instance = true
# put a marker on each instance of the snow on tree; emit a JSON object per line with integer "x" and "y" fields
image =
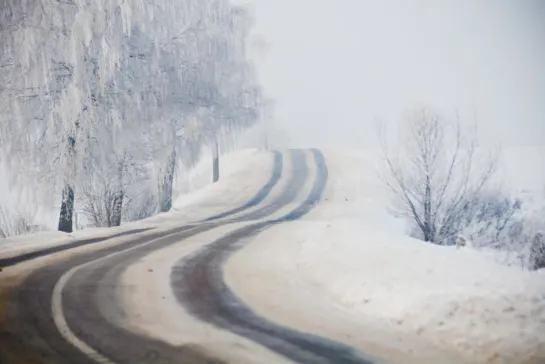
{"x": 97, "y": 96}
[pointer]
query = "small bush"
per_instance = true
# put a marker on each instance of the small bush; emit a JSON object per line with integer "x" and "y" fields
{"x": 492, "y": 220}
{"x": 99, "y": 204}
{"x": 16, "y": 223}
{"x": 140, "y": 206}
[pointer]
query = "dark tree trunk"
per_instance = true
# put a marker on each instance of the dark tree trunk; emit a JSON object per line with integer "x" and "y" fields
{"x": 67, "y": 209}
{"x": 537, "y": 252}
{"x": 117, "y": 209}
{"x": 165, "y": 202}
{"x": 67, "y": 203}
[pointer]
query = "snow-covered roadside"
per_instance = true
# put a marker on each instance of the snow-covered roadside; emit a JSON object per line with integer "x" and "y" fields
{"x": 238, "y": 183}
{"x": 348, "y": 272}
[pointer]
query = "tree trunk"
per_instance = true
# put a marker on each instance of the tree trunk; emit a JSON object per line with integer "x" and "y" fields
{"x": 216, "y": 164}
{"x": 67, "y": 209}
{"x": 165, "y": 196}
{"x": 117, "y": 203}
{"x": 117, "y": 208}
{"x": 67, "y": 203}
{"x": 537, "y": 252}
{"x": 428, "y": 227}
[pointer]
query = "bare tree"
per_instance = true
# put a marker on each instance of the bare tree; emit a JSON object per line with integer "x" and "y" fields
{"x": 435, "y": 175}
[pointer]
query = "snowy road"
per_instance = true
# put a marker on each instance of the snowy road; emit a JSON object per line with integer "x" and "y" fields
{"x": 198, "y": 285}
{"x": 71, "y": 311}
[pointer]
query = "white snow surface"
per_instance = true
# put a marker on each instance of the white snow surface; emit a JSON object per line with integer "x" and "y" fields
{"x": 349, "y": 272}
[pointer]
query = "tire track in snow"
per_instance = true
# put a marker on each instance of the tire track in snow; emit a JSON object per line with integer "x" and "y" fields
{"x": 199, "y": 286}
{"x": 261, "y": 194}
{"x": 295, "y": 184}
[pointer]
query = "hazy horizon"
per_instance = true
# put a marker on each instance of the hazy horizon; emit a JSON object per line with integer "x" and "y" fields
{"x": 334, "y": 67}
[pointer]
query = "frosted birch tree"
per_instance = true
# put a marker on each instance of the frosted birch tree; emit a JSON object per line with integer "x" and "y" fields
{"x": 113, "y": 93}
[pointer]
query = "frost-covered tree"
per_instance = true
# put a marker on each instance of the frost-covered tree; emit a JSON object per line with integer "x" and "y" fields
{"x": 434, "y": 175}
{"x": 98, "y": 95}
{"x": 492, "y": 219}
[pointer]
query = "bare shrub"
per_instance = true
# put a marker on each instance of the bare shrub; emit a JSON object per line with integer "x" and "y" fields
{"x": 99, "y": 203}
{"x": 493, "y": 220}
{"x": 434, "y": 175}
{"x": 140, "y": 204}
{"x": 16, "y": 223}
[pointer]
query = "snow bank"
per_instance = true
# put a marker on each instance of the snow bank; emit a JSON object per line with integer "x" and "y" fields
{"x": 349, "y": 260}
{"x": 456, "y": 299}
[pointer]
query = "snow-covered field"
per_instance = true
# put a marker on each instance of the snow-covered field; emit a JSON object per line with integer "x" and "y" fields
{"x": 348, "y": 271}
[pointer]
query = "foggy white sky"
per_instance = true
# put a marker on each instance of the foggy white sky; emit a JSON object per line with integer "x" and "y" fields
{"x": 334, "y": 66}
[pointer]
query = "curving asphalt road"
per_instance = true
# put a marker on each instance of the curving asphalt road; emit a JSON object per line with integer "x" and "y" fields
{"x": 87, "y": 287}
